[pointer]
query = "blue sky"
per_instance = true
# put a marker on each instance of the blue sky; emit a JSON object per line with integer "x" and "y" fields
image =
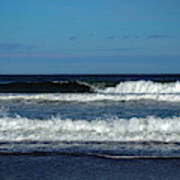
{"x": 89, "y": 36}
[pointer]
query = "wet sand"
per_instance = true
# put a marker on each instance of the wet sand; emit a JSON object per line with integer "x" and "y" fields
{"x": 57, "y": 167}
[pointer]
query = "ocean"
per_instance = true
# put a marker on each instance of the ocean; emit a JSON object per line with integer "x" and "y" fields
{"x": 89, "y": 116}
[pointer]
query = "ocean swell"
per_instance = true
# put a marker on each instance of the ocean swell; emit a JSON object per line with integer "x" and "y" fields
{"x": 84, "y": 92}
{"x": 141, "y": 86}
{"x": 45, "y": 87}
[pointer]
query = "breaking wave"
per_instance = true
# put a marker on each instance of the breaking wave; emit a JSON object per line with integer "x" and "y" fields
{"x": 111, "y": 129}
{"x": 89, "y": 87}
{"x": 147, "y": 87}
{"x": 124, "y": 91}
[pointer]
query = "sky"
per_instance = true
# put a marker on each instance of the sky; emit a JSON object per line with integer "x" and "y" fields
{"x": 89, "y": 36}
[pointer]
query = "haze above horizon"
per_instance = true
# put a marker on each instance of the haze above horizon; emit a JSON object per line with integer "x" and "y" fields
{"x": 89, "y": 37}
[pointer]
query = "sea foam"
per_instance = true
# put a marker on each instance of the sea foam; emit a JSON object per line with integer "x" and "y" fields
{"x": 124, "y": 91}
{"x": 144, "y": 87}
{"x": 109, "y": 129}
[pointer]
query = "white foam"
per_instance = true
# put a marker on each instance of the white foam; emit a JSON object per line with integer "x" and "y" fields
{"x": 91, "y": 97}
{"x": 109, "y": 129}
{"x": 125, "y": 91}
{"x": 144, "y": 87}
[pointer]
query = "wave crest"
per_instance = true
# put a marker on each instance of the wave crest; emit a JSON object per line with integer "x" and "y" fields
{"x": 82, "y": 92}
{"x": 146, "y": 87}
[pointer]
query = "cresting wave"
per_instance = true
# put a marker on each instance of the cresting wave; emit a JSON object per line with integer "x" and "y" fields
{"x": 147, "y": 87}
{"x": 111, "y": 129}
{"x": 124, "y": 91}
{"x": 87, "y": 87}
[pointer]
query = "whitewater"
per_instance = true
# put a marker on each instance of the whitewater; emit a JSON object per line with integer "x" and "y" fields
{"x": 113, "y": 129}
{"x": 124, "y": 91}
{"x": 89, "y": 114}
